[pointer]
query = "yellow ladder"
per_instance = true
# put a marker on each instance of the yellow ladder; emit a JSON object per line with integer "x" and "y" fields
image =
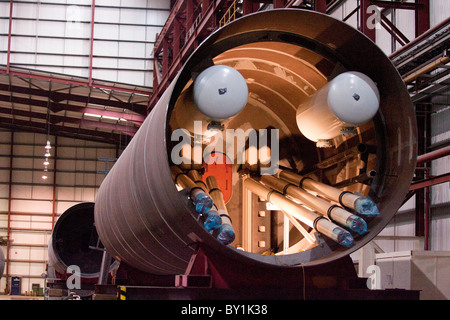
{"x": 229, "y": 15}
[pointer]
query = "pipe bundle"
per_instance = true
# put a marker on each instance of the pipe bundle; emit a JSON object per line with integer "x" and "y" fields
{"x": 292, "y": 194}
{"x": 208, "y": 203}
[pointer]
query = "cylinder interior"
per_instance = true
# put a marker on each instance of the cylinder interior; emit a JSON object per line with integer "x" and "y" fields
{"x": 73, "y": 234}
{"x": 284, "y": 64}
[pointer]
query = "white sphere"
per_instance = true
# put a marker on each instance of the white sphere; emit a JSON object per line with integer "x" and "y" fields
{"x": 220, "y": 92}
{"x": 353, "y": 97}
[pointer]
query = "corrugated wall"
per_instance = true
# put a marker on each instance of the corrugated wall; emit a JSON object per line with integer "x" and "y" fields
{"x": 34, "y": 201}
{"x": 55, "y": 36}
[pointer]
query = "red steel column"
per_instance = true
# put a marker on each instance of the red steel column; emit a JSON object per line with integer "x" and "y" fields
{"x": 427, "y": 222}
{"x": 367, "y": 20}
{"x": 278, "y": 4}
{"x": 422, "y": 17}
{"x": 176, "y": 38}
{"x": 320, "y": 6}
{"x": 420, "y": 174}
{"x": 165, "y": 57}
{"x": 189, "y": 14}
{"x": 8, "y": 58}
{"x": 249, "y": 7}
{"x": 8, "y": 232}
{"x": 205, "y": 6}
{"x": 91, "y": 53}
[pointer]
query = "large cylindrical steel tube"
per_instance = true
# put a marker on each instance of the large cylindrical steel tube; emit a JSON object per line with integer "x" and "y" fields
{"x": 70, "y": 242}
{"x": 285, "y": 56}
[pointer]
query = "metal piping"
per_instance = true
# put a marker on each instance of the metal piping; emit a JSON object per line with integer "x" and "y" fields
{"x": 436, "y": 154}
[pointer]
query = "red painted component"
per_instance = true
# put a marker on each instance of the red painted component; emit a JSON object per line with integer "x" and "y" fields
{"x": 221, "y": 168}
{"x": 91, "y": 53}
{"x": 422, "y": 17}
{"x": 197, "y": 273}
{"x": 433, "y": 155}
{"x": 278, "y": 4}
{"x": 396, "y": 5}
{"x": 330, "y": 275}
{"x": 8, "y": 58}
{"x": 366, "y": 19}
{"x": 320, "y": 6}
{"x": 208, "y": 276}
{"x": 248, "y": 6}
{"x": 430, "y": 181}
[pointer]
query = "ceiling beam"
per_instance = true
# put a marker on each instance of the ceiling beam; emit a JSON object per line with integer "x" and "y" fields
{"x": 57, "y": 107}
{"x": 55, "y": 119}
{"x": 58, "y": 130}
{"x": 61, "y": 96}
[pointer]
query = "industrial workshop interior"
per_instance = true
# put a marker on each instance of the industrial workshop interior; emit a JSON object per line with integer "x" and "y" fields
{"x": 224, "y": 150}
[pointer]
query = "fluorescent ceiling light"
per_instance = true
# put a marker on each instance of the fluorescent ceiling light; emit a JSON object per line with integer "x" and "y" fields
{"x": 112, "y": 118}
{"x": 103, "y": 117}
{"x": 92, "y": 115}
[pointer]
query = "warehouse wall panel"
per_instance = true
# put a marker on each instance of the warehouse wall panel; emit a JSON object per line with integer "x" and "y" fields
{"x": 440, "y": 228}
{"x": 62, "y": 206}
{"x": 56, "y": 37}
{"x": 439, "y": 10}
{"x": 35, "y": 204}
{"x": 383, "y": 38}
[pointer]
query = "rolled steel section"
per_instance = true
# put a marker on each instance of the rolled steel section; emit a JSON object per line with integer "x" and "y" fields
{"x": 70, "y": 242}
{"x": 140, "y": 216}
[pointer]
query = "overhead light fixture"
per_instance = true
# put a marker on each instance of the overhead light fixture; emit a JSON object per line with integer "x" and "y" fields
{"x": 111, "y": 118}
{"x": 103, "y": 116}
{"x": 47, "y": 148}
{"x": 92, "y": 115}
